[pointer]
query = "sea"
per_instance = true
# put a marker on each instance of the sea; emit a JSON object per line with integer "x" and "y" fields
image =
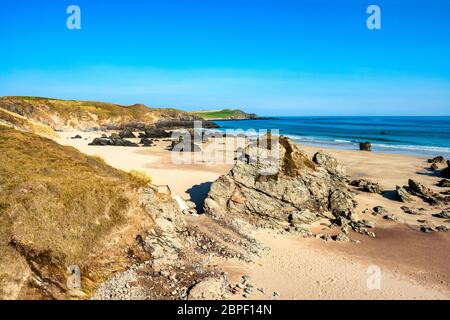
{"x": 419, "y": 136}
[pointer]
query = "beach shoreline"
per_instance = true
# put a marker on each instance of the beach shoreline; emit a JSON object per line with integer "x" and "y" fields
{"x": 331, "y": 265}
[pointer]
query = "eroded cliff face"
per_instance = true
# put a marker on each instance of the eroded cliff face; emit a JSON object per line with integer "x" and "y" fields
{"x": 295, "y": 190}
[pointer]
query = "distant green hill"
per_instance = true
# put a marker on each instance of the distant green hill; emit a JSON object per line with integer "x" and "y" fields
{"x": 225, "y": 114}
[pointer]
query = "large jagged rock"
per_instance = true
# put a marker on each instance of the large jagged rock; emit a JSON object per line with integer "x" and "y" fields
{"x": 272, "y": 190}
{"x": 428, "y": 195}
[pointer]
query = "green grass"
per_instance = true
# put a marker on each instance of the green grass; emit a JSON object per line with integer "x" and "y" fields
{"x": 221, "y": 114}
{"x": 57, "y": 203}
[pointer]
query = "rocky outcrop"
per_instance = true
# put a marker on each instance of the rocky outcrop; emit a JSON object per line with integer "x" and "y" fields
{"x": 439, "y": 159}
{"x": 126, "y": 133}
{"x": 402, "y": 194}
{"x": 444, "y": 183}
{"x": 283, "y": 189}
{"x": 367, "y": 186}
{"x": 155, "y": 133}
{"x": 146, "y": 142}
{"x": 113, "y": 141}
{"x": 428, "y": 195}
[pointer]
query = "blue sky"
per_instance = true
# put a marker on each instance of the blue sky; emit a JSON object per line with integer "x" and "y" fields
{"x": 274, "y": 57}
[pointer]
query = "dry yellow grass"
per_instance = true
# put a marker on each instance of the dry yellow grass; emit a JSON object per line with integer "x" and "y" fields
{"x": 22, "y": 123}
{"x": 74, "y": 113}
{"x": 56, "y": 204}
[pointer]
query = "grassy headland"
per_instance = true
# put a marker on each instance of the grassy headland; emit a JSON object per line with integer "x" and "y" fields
{"x": 57, "y": 208}
{"x": 225, "y": 114}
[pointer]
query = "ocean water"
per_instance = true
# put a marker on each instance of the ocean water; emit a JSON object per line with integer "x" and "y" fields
{"x": 422, "y": 136}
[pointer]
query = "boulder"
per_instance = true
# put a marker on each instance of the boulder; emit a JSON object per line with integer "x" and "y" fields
{"x": 444, "y": 183}
{"x": 412, "y": 211}
{"x": 379, "y": 210}
{"x": 282, "y": 189}
{"x": 367, "y": 186}
{"x": 390, "y": 217}
{"x": 434, "y": 167}
{"x": 439, "y": 159}
{"x": 156, "y": 133}
{"x": 443, "y": 215}
{"x": 402, "y": 194}
{"x": 419, "y": 190}
{"x": 112, "y": 141}
{"x": 365, "y": 146}
{"x": 146, "y": 142}
{"x": 126, "y": 133}
{"x": 77, "y": 137}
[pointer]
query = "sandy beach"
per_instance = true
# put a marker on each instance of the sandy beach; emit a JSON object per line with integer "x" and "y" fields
{"x": 413, "y": 265}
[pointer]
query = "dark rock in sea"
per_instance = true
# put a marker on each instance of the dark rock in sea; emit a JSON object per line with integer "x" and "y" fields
{"x": 146, "y": 142}
{"x": 126, "y": 133}
{"x": 444, "y": 183}
{"x": 77, "y": 137}
{"x": 439, "y": 159}
{"x": 277, "y": 191}
{"x": 112, "y": 141}
{"x": 383, "y": 133}
{"x": 402, "y": 194}
{"x": 367, "y": 186}
{"x": 365, "y": 146}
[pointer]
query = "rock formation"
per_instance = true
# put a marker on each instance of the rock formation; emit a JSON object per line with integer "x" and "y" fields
{"x": 367, "y": 186}
{"x": 126, "y": 133}
{"x": 300, "y": 190}
{"x": 113, "y": 140}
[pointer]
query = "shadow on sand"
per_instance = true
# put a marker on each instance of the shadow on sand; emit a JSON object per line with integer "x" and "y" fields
{"x": 198, "y": 194}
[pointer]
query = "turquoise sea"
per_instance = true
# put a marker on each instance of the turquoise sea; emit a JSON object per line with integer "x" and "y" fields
{"x": 423, "y": 136}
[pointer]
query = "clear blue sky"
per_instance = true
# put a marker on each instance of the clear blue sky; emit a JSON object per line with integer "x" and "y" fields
{"x": 272, "y": 57}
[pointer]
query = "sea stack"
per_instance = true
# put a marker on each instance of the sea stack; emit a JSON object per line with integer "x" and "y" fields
{"x": 365, "y": 146}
